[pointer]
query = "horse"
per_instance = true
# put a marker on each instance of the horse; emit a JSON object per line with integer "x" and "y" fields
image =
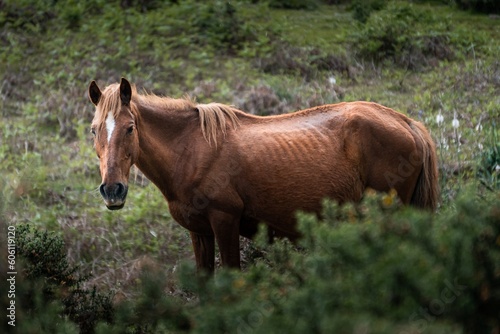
{"x": 223, "y": 171}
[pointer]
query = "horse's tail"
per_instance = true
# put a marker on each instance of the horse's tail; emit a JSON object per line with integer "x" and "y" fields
{"x": 426, "y": 193}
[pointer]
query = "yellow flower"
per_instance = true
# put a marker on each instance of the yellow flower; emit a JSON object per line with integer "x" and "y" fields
{"x": 389, "y": 198}
{"x": 239, "y": 283}
{"x": 387, "y": 201}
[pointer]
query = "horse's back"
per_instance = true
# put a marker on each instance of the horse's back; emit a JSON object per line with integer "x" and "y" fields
{"x": 291, "y": 162}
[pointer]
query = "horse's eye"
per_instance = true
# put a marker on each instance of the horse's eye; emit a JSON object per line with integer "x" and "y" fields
{"x": 130, "y": 130}
{"x": 92, "y": 131}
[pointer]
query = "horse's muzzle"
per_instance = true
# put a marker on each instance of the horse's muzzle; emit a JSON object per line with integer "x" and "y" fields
{"x": 114, "y": 195}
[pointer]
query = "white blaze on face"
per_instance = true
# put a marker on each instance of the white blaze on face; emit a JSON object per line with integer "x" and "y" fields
{"x": 110, "y": 125}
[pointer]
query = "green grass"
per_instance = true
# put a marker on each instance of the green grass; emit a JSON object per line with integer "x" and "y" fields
{"x": 327, "y": 28}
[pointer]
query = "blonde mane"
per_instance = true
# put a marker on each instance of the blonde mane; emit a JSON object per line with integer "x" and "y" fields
{"x": 214, "y": 117}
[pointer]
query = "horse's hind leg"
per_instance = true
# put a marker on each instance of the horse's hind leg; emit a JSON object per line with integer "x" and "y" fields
{"x": 204, "y": 251}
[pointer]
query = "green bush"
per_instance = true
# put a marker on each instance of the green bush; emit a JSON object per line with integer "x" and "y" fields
{"x": 50, "y": 289}
{"x": 308, "y": 63}
{"x": 145, "y": 5}
{"x": 485, "y": 6}
{"x": 26, "y": 13}
{"x": 294, "y": 4}
{"x": 489, "y": 165}
{"x": 218, "y": 23}
{"x": 390, "y": 35}
{"x": 150, "y": 311}
{"x": 210, "y": 26}
{"x": 361, "y": 9}
{"x": 374, "y": 266}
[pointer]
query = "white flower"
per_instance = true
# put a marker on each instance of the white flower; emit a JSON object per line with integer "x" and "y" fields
{"x": 455, "y": 123}
{"x": 332, "y": 80}
{"x": 439, "y": 118}
{"x": 497, "y": 168}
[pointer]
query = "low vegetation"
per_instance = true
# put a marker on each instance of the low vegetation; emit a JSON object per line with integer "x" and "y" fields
{"x": 375, "y": 267}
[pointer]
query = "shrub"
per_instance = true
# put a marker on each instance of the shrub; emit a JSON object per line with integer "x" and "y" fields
{"x": 151, "y": 311}
{"x": 144, "y": 5}
{"x": 217, "y": 25}
{"x": 485, "y": 6}
{"x": 28, "y": 14}
{"x": 374, "y": 265}
{"x": 262, "y": 100}
{"x": 489, "y": 166}
{"x": 304, "y": 62}
{"x": 362, "y": 9}
{"x": 51, "y": 282}
{"x": 294, "y": 4}
{"x": 19, "y": 14}
{"x": 390, "y": 35}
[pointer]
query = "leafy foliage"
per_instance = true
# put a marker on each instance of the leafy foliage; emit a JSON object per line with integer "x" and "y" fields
{"x": 46, "y": 270}
{"x": 375, "y": 265}
{"x": 486, "y": 6}
{"x": 308, "y": 63}
{"x": 219, "y": 24}
{"x": 361, "y": 10}
{"x": 151, "y": 311}
{"x": 294, "y": 4}
{"x": 489, "y": 165}
{"x": 390, "y": 35}
{"x": 371, "y": 266}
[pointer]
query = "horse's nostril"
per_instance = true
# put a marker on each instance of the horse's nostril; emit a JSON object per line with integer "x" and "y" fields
{"x": 101, "y": 189}
{"x": 113, "y": 191}
{"x": 119, "y": 189}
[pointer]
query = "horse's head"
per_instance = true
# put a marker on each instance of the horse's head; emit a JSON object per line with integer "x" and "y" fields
{"x": 115, "y": 139}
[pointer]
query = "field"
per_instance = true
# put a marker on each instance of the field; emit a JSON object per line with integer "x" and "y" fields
{"x": 436, "y": 63}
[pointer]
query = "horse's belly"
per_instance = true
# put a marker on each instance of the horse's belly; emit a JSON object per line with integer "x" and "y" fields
{"x": 295, "y": 170}
{"x": 276, "y": 197}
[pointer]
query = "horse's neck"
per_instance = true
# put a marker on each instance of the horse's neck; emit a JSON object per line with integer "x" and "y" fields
{"x": 161, "y": 144}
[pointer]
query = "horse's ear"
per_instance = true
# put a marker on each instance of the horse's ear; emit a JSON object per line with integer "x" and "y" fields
{"x": 94, "y": 93}
{"x": 125, "y": 92}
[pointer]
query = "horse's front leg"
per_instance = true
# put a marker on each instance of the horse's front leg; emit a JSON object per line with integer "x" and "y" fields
{"x": 226, "y": 228}
{"x": 204, "y": 251}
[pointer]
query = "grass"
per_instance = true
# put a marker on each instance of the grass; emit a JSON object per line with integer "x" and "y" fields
{"x": 327, "y": 28}
{"x": 49, "y": 172}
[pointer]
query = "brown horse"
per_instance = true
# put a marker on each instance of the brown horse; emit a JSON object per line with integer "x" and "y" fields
{"x": 222, "y": 171}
